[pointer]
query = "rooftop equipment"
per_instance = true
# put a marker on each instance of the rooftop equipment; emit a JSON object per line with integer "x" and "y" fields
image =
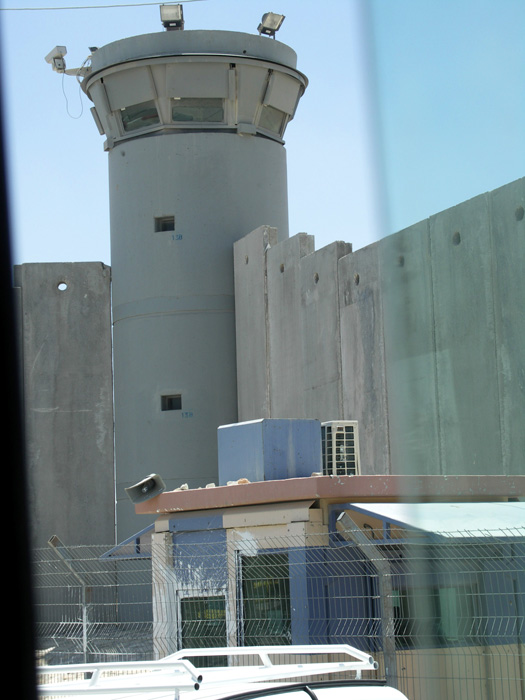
{"x": 340, "y": 446}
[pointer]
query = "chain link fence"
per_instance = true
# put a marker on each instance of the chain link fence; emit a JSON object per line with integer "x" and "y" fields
{"x": 91, "y": 606}
{"x": 442, "y": 616}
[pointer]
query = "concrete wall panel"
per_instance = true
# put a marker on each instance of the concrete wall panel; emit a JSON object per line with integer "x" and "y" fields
{"x": 507, "y": 221}
{"x": 67, "y": 390}
{"x": 362, "y": 351}
{"x": 406, "y": 283}
{"x": 286, "y": 331}
{"x": 251, "y": 323}
{"x": 466, "y": 368}
{"x": 323, "y": 397}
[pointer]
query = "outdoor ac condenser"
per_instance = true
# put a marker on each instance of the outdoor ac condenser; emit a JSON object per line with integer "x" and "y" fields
{"x": 340, "y": 445}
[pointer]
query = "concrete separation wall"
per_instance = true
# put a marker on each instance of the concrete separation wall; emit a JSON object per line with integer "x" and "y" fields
{"x": 363, "y": 356}
{"x": 251, "y": 323}
{"x": 65, "y": 346}
{"x": 420, "y": 337}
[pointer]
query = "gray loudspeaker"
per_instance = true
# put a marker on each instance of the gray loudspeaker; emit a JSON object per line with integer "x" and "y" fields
{"x": 149, "y": 487}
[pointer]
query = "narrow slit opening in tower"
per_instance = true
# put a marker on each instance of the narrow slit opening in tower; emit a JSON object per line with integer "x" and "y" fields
{"x": 164, "y": 223}
{"x": 171, "y": 402}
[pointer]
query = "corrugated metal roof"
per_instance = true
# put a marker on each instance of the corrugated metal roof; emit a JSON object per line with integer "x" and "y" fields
{"x": 451, "y": 519}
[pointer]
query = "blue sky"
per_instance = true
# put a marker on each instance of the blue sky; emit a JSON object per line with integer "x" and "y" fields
{"x": 412, "y": 106}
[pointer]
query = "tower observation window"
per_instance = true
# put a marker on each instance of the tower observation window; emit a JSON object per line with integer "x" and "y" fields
{"x": 140, "y": 116}
{"x": 197, "y": 109}
{"x": 271, "y": 118}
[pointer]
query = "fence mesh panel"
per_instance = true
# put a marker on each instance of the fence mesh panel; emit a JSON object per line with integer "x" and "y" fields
{"x": 443, "y": 617}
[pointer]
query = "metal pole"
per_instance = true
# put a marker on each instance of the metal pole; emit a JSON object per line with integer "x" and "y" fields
{"x": 66, "y": 557}
{"x": 352, "y": 532}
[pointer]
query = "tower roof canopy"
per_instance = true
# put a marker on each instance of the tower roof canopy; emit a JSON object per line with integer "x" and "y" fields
{"x": 219, "y": 43}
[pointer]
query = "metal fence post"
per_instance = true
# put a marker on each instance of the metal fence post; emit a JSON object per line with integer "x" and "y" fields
{"x": 66, "y": 557}
{"x": 351, "y": 532}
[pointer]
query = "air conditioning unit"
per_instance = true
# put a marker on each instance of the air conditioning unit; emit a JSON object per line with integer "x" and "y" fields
{"x": 340, "y": 445}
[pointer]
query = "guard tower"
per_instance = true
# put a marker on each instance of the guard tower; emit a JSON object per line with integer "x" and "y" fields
{"x": 194, "y": 124}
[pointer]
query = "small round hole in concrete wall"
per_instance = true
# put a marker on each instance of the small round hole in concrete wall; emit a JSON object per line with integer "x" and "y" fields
{"x": 456, "y": 238}
{"x": 316, "y": 277}
{"x": 246, "y": 260}
{"x": 62, "y": 286}
{"x": 519, "y": 213}
{"x": 401, "y": 261}
{"x": 281, "y": 267}
{"x": 356, "y": 278}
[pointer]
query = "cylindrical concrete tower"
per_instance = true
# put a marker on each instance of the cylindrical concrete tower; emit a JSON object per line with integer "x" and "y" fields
{"x": 194, "y": 123}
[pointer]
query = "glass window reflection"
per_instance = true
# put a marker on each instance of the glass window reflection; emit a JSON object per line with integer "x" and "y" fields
{"x": 197, "y": 109}
{"x": 140, "y": 116}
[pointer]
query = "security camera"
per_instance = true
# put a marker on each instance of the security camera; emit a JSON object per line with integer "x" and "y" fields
{"x": 57, "y": 52}
{"x": 56, "y": 58}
